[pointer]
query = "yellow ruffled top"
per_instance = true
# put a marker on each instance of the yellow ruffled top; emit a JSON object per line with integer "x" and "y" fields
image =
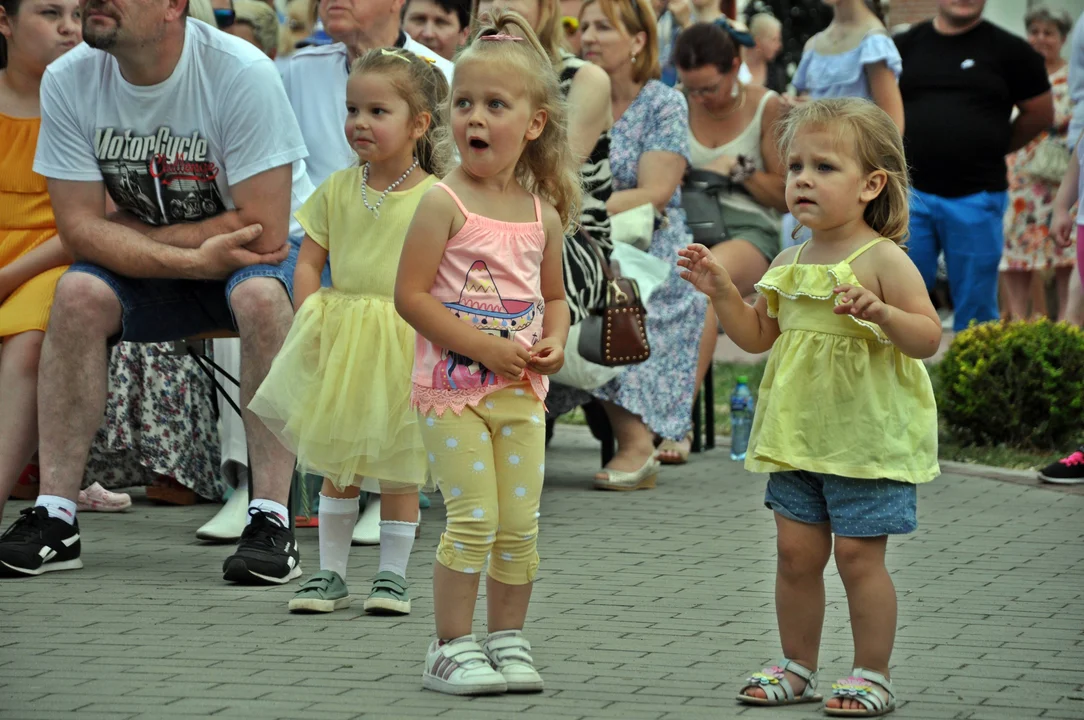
{"x": 838, "y": 397}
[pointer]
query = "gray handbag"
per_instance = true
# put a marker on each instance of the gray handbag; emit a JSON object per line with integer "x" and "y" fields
{"x": 700, "y": 199}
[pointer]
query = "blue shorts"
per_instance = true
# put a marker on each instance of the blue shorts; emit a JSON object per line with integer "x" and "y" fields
{"x": 163, "y": 310}
{"x": 855, "y": 508}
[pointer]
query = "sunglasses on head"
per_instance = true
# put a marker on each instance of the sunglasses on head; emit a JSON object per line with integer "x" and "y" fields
{"x": 225, "y": 17}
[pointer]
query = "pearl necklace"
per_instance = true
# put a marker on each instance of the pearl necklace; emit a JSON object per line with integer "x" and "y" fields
{"x": 375, "y": 209}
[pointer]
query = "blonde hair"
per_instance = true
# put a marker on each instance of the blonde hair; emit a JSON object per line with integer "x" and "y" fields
{"x": 425, "y": 89}
{"x": 262, "y": 19}
{"x": 875, "y": 144}
{"x": 547, "y": 166}
{"x": 203, "y": 11}
{"x": 636, "y": 16}
{"x": 551, "y": 33}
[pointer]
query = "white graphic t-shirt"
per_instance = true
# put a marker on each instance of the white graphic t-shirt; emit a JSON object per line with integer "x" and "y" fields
{"x": 315, "y": 80}
{"x": 168, "y": 153}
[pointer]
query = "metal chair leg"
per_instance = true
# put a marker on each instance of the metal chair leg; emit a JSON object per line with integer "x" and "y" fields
{"x": 709, "y": 408}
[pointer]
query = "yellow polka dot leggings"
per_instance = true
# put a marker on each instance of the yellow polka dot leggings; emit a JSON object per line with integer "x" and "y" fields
{"x": 489, "y": 465}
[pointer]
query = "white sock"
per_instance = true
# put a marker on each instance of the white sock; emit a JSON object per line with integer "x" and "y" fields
{"x": 270, "y": 506}
{"x": 337, "y": 519}
{"x": 396, "y": 542}
{"x": 58, "y": 507}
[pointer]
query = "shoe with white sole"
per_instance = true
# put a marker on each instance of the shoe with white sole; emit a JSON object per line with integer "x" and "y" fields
{"x": 510, "y": 654}
{"x": 267, "y": 554}
{"x": 389, "y": 595}
{"x": 459, "y": 667}
{"x": 324, "y": 592}
{"x": 37, "y": 543}
{"x": 228, "y": 524}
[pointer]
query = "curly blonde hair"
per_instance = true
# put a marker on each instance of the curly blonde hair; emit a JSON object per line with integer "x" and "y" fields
{"x": 547, "y": 166}
{"x": 876, "y": 144}
{"x": 425, "y": 89}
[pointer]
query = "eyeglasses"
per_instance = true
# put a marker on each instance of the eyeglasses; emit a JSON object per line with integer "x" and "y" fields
{"x": 701, "y": 92}
{"x": 225, "y": 17}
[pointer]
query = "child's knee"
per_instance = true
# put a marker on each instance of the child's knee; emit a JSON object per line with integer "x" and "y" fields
{"x": 857, "y": 557}
{"x": 514, "y": 560}
{"x": 467, "y": 541}
{"x": 797, "y": 558}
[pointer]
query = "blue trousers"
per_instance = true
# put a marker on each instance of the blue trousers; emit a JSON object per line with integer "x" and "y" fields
{"x": 969, "y": 231}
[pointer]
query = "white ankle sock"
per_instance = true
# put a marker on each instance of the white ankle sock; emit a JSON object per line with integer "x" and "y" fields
{"x": 270, "y": 506}
{"x": 337, "y": 519}
{"x": 58, "y": 507}
{"x": 396, "y": 542}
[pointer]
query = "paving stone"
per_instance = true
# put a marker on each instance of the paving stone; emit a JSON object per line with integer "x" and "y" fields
{"x": 648, "y": 605}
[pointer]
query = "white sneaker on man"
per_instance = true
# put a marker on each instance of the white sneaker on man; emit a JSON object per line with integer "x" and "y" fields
{"x": 459, "y": 667}
{"x": 510, "y": 653}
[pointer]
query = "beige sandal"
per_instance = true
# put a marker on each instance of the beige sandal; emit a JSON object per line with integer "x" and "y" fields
{"x": 642, "y": 479}
{"x": 675, "y": 447}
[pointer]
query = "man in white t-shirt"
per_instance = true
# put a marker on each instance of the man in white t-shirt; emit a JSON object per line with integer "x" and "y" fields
{"x": 190, "y": 133}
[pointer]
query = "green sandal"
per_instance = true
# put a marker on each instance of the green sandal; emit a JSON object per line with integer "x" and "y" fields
{"x": 860, "y": 686}
{"x": 389, "y": 595}
{"x": 324, "y": 592}
{"x": 778, "y": 689}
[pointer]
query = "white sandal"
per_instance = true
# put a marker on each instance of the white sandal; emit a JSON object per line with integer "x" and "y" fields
{"x": 778, "y": 689}
{"x": 860, "y": 686}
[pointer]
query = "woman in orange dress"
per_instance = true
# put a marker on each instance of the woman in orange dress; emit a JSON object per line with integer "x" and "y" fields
{"x": 33, "y": 33}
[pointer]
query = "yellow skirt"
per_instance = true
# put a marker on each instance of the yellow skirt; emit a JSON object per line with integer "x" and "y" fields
{"x": 28, "y": 307}
{"x": 338, "y": 392}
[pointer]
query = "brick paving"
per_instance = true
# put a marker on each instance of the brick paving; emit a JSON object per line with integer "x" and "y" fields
{"x": 650, "y": 605}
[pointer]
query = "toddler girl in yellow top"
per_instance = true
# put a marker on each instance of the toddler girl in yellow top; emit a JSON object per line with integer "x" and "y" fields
{"x": 846, "y": 422}
{"x": 338, "y": 393}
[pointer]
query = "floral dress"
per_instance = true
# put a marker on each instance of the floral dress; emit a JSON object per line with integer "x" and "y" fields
{"x": 159, "y": 421}
{"x": 1028, "y": 245}
{"x": 660, "y": 390}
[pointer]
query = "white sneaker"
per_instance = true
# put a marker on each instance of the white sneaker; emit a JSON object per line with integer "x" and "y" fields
{"x": 230, "y": 522}
{"x": 459, "y": 667}
{"x": 510, "y": 654}
{"x": 367, "y": 530}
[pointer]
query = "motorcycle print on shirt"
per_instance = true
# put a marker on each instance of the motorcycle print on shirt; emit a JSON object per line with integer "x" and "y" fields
{"x": 161, "y": 178}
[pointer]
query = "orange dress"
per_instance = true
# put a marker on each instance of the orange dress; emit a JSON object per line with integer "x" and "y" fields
{"x": 26, "y": 221}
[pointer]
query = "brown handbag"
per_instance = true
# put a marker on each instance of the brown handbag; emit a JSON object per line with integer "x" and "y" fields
{"x": 616, "y": 333}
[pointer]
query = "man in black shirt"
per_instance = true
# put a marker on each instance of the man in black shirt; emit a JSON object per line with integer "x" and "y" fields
{"x": 962, "y": 77}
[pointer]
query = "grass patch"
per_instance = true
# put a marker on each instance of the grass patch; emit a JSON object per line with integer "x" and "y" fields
{"x": 725, "y": 376}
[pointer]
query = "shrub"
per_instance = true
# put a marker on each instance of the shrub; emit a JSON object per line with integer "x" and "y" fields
{"x": 1019, "y": 383}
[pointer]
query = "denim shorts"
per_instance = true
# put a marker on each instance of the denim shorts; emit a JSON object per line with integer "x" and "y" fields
{"x": 163, "y": 310}
{"x": 854, "y": 507}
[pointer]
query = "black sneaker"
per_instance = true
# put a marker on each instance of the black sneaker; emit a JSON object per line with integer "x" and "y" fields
{"x": 37, "y": 543}
{"x": 266, "y": 555}
{"x": 1067, "y": 471}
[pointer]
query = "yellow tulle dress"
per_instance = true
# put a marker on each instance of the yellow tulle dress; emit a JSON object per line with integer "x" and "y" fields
{"x": 338, "y": 392}
{"x": 838, "y": 397}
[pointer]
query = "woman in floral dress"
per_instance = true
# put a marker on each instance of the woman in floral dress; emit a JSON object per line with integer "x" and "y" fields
{"x": 649, "y": 150}
{"x": 159, "y": 428}
{"x": 1029, "y": 248}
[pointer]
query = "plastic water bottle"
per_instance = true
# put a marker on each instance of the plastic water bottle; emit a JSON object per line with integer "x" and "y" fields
{"x": 741, "y": 418}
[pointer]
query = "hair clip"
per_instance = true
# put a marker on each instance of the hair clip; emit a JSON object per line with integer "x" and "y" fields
{"x": 740, "y": 37}
{"x": 501, "y": 37}
{"x": 395, "y": 53}
{"x": 431, "y": 61}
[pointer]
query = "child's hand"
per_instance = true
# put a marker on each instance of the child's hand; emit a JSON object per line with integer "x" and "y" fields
{"x": 704, "y": 272}
{"x": 861, "y": 303}
{"x": 1061, "y": 229}
{"x": 547, "y": 356}
{"x": 506, "y": 358}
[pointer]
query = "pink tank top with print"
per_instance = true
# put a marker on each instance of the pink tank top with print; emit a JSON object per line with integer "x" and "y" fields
{"x": 490, "y": 278}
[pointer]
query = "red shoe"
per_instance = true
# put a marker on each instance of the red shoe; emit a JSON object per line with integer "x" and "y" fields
{"x": 26, "y": 487}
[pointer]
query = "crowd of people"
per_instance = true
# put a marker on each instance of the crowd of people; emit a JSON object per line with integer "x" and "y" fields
{"x": 390, "y": 216}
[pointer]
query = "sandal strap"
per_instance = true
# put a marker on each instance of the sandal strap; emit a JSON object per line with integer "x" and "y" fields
{"x": 860, "y": 686}
{"x": 774, "y": 683}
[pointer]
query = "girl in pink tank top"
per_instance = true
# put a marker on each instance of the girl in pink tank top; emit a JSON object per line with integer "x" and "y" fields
{"x": 481, "y": 281}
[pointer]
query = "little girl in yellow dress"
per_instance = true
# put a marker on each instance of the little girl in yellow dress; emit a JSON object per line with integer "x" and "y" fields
{"x": 338, "y": 392}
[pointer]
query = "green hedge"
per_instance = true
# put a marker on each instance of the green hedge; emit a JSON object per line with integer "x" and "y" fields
{"x": 1018, "y": 383}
